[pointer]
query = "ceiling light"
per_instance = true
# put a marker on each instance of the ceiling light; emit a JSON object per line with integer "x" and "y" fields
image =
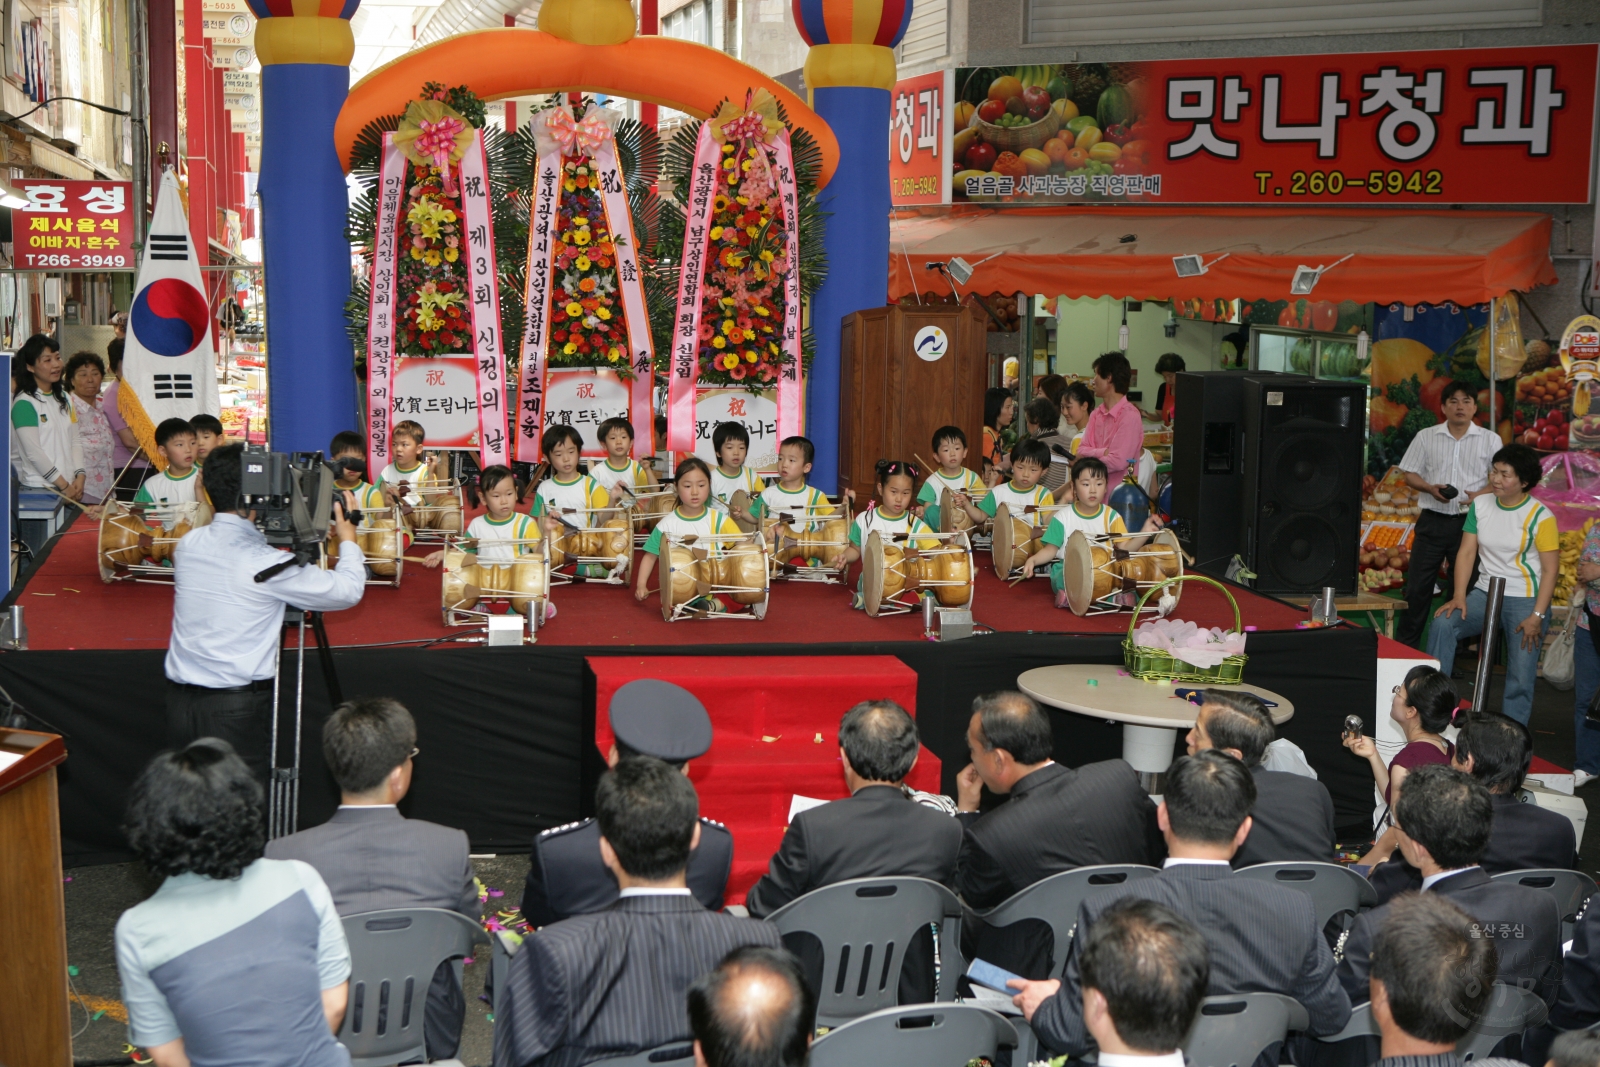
{"x": 1306, "y": 278}
{"x": 1192, "y": 267}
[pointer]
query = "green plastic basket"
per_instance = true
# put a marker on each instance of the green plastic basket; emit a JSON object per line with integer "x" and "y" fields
{"x": 1154, "y": 665}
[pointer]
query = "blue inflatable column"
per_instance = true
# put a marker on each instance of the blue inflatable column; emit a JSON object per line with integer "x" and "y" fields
{"x": 305, "y": 76}
{"x": 849, "y": 72}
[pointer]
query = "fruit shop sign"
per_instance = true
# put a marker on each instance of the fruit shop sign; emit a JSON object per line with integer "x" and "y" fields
{"x": 1469, "y": 126}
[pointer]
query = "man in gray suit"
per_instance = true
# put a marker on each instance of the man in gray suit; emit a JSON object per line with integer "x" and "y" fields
{"x": 614, "y": 983}
{"x": 1431, "y": 978}
{"x": 373, "y": 858}
{"x": 1263, "y": 938}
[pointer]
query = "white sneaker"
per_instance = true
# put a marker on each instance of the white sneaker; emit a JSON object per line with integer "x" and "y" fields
{"x": 1582, "y": 778}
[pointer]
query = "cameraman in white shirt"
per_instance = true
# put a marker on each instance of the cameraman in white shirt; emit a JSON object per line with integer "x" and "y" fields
{"x": 227, "y": 627}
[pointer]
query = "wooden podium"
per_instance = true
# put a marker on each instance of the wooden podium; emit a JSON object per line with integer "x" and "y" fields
{"x": 898, "y": 382}
{"x": 33, "y": 920}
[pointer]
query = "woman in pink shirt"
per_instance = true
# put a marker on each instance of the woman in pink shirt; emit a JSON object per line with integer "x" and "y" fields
{"x": 1115, "y": 432}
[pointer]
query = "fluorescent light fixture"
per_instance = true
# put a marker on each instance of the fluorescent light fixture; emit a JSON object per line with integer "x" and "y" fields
{"x": 1191, "y": 266}
{"x": 960, "y": 270}
{"x": 10, "y": 197}
{"x": 1362, "y": 343}
{"x": 1306, "y": 278}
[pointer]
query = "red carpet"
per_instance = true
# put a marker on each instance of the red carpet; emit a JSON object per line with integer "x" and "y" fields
{"x": 69, "y": 607}
{"x": 775, "y": 722}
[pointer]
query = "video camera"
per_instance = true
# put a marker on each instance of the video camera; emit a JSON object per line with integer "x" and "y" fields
{"x": 292, "y": 496}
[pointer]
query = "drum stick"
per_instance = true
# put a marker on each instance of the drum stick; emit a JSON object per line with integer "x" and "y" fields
{"x": 85, "y": 508}
{"x": 927, "y": 468}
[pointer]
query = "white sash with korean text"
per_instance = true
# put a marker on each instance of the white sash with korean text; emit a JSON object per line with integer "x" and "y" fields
{"x": 380, "y": 320}
{"x": 630, "y": 285}
{"x": 791, "y": 388}
{"x": 684, "y": 371}
{"x": 536, "y": 302}
{"x": 484, "y": 290}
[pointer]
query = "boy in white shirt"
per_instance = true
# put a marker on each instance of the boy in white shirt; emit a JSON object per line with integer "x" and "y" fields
{"x": 619, "y": 468}
{"x": 731, "y": 441}
{"x": 789, "y": 499}
{"x": 950, "y": 452}
{"x": 1089, "y": 515}
{"x": 158, "y": 497}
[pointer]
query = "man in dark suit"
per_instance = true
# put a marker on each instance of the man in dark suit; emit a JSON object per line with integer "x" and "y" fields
{"x": 1442, "y": 821}
{"x": 1431, "y": 977}
{"x": 1293, "y": 815}
{"x": 565, "y": 875}
{"x": 1263, "y": 938}
{"x": 1144, "y": 970}
{"x": 613, "y": 983}
{"x": 878, "y": 831}
{"x": 1497, "y": 751}
{"x": 373, "y": 858}
{"x": 754, "y": 1009}
{"x": 1578, "y": 1004}
{"x": 1055, "y": 817}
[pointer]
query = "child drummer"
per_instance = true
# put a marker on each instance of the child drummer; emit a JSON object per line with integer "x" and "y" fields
{"x": 731, "y": 441}
{"x": 619, "y": 469}
{"x": 1089, "y": 515}
{"x": 692, "y": 517}
{"x": 1029, "y": 460}
{"x": 789, "y": 499}
{"x": 892, "y": 515}
{"x": 348, "y": 454}
{"x": 501, "y": 533}
{"x": 411, "y": 469}
{"x": 568, "y": 499}
{"x": 950, "y": 452}
{"x": 158, "y": 498}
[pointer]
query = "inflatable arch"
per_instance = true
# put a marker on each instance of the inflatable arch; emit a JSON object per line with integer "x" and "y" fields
{"x": 501, "y": 63}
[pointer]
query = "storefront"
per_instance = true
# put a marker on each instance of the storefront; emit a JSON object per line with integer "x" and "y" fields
{"x": 1187, "y": 207}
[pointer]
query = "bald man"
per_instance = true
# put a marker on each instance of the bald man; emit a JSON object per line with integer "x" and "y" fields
{"x": 754, "y": 1008}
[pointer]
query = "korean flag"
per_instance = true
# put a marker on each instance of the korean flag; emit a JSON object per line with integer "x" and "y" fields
{"x": 169, "y": 367}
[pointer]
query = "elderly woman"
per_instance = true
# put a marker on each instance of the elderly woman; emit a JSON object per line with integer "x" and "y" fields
{"x": 235, "y": 958}
{"x": 84, "y": 374}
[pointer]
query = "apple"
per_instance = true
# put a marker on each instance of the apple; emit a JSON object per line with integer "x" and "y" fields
{"x": 981, "y": 156}
{"x": 1547, "y": 443}
{"x": 990, "y": 110}
{"x": 1036, "y": 96}
{"x": 1038, "y": 111}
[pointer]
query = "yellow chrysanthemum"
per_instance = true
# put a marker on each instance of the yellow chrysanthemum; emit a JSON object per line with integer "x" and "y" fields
{"x": 727, "y": 301}
{"x": 451, "y": 255}
{"x": 716, "y": 232}
{"x": 772, "y": 346}
{"x": 582, "y": 263}
{"x": 745, "y": 200}
{"x": 580, "y": 238}
{"x": 749, "y": 357}
{"x": 726, "y": 149}
{"x": 752, "y": 230}
{"x": 570, "y": 186}
{"x": 727, "y": 327}
{"x": 570, "y": 348}
{"x": 745, "y": 166}
{"x": 431, "y": 258}
{"x": 727, "y": 164}
{"x": 762, "y": 311}
{"x": 580, "y": 220}
{"x": 718, "y": 342}
{"x": 416, "y": 253}
{"x": 731, "y": 360}
{"x": 603, "y": 313}
{"x": 613, "y": 355}
{"x": 574, "y": 309}
{"x": 767, "y": 256}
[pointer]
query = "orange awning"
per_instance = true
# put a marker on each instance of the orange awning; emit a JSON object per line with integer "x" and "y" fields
{"x": 1410, "y": 257}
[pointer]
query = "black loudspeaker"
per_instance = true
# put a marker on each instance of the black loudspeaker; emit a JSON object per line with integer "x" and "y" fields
{"x": 1208, "y": 465}
{"x": 1301, "y": 504}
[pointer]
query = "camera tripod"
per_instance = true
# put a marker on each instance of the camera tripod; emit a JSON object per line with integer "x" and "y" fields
{"x": 283, "y": 804}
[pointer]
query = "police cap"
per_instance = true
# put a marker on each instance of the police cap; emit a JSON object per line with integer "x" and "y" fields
{"x": 656, "y": 718}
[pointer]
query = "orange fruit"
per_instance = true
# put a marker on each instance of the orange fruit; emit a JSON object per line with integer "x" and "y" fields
{"x": 1056, "y": 148}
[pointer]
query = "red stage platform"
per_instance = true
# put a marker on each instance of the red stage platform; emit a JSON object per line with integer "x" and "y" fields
{"x": 775, "y": 729}
{"x": 68, "y": 607}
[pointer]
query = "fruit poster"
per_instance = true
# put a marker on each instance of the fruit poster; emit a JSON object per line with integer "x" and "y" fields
{"x": 1469, "y": 125}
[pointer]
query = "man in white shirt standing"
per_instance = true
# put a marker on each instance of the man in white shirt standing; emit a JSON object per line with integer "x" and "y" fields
{"x": 1144, "y": 971}
{"x": 227, "y": 627}
{"x": 1456, "y": 453}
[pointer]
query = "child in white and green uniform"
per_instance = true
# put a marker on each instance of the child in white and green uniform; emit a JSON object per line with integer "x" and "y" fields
{"x": 179, "y": 483}
{"x": 692, "y": 516}
{"x": 892, "y": 515}
{"x": 950, "y": 452}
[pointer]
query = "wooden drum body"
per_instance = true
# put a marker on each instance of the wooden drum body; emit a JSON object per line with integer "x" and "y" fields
{"x": 1016, "y": 537}
{"x": 699, "y": 573}
{"x": 646, "y": 505}
{"x": 468, "y": 582}
{"x": 131, "y": 550}
{"x": 605, "y": 540}
{"x": 798, "y": 539}
{"x": 1102, "y": 575}
{"x": 436, "y": 514}
{"x": 382, "y": 536}
{"x": 893, "y": 574}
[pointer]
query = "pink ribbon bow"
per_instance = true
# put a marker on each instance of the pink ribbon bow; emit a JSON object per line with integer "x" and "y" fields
{"x": 748, "y": 126}
{"x": 573, "y": 137}
{"x": 436, "y": 141}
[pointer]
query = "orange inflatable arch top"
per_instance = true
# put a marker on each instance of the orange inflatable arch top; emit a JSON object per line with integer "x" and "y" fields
{"x": 513, "y": 61}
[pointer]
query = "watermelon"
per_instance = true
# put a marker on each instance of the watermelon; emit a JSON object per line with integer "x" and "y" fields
{"x": 1115, "y": 107}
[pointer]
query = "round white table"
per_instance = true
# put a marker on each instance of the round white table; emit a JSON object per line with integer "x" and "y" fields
{"x": 1150, "y": 715}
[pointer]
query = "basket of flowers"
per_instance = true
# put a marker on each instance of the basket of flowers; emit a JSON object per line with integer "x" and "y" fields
{"x": 1170, "y": 650}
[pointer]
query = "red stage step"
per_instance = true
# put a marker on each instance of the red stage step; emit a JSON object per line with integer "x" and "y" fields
{"x": 746, "y": 781}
